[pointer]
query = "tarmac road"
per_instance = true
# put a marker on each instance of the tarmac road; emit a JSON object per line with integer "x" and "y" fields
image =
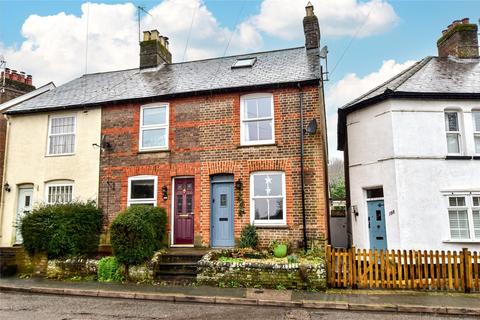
{"x": 28, "y": 306}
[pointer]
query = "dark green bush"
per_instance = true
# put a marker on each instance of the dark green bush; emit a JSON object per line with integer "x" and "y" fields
{"x": 109, "y": 270}
{"x": 249, "y": 237}
{"x": 136, "y": 233}
{"x": 62, "y": 230}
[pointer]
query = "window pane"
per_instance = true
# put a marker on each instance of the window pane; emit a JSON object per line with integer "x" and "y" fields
{"x": 142, "y": 189}
{"x": 265, "y": 130}
{"x": 251, "y": 131}
{"x": 261, "y": 209}
{"x": 375, "y": 193}
{"x": 62, "y": 125}
{"x": 476, "y": 121}
{"x": 267, "y": 185}
{"x": 154, "y": 138}
{"x": 459, "y": 224}
{"x": 477, "y": 143}
{"x": 60, "y": 194}
{"x": 276, "y": 209}
{"x": 62, "y": 144}
{"x": 451, "y": 121}
{"x": 457, "y": 201}
{"x": 453, "y": 143}
{"x": 251, "y": 109}
{"x": 476, "y": 201}
{"x": 476, "y": 223}
{"x": 264, "y": 107}
{"x": 154, "y": 116}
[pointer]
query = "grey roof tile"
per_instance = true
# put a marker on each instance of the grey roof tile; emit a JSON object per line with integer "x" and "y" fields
{"x": 272, "y": 67}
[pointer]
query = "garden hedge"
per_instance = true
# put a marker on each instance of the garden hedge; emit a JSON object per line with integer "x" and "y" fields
{"x": 62, "y": 230}
{"x": 136, "y": 233}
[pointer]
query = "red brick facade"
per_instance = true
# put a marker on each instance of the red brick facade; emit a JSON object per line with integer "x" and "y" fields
{"x": 204, "y": 140}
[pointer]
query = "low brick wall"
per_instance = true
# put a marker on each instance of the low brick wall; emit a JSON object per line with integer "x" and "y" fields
{"x": 69, "y": 268}
{"x": 248, "y": 274}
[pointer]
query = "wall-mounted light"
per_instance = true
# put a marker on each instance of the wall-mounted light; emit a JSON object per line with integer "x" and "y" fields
{"x": 239, "y": 184}
{"x": 164, "y": 193}
{"x": 6, "y": 187}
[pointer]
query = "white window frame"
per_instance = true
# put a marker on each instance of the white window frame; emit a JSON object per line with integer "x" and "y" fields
{"x": 476, "y": 131}
{"x": 458, "y": 133}
{"x": 282, "y": 222}
{"x": 49, "y": 185}
{"x": 49, "y": 134}
{"x": 153, "y": 201}
{"x": 243, "y": 121}
{"x": 154, "y": 126}
{"x": 469, "y": 207}
{"x": 475, "y": 208}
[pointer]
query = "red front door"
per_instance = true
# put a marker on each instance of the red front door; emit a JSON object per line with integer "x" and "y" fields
{"x": 183, "y": 211}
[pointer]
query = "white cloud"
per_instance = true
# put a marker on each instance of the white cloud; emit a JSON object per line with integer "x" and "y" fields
{"x": 351, "y": 87}
{"x": 337, "y": 17}
{"x": 54, "y": 46}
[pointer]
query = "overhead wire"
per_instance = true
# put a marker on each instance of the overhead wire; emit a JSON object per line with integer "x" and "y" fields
{"x": 190, "y": 31}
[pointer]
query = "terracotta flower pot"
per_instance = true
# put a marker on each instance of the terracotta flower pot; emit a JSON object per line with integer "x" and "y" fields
{"x": 280, "y": 251}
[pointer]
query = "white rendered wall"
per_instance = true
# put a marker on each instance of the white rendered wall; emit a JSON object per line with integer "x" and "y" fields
{"x": 401, "y": 145}
{"x": 27, "y": 163}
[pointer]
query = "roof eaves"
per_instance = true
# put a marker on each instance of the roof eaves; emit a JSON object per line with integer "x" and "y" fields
{"x": 312, "y": 81}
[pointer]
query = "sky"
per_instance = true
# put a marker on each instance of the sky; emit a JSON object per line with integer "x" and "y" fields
{"x": 368, "y": 41}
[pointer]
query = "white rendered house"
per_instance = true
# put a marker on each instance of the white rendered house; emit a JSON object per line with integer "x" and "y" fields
{"x": 412, "y": 153}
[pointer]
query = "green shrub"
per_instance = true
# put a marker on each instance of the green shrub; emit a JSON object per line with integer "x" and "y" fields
{"x": 249, "y": 237}
{"x": 109, "y": 270}
{"x": 62, "y": 230}
{"x": 136, "y": 233}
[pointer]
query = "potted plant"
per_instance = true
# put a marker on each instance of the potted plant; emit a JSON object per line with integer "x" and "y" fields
{"x": 279, "y": 249}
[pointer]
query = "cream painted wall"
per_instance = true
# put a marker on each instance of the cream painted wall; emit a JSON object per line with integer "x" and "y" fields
{"x": 27, "y": 162}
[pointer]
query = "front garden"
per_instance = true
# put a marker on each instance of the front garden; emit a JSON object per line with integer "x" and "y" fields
{"x": 62, "y": 242}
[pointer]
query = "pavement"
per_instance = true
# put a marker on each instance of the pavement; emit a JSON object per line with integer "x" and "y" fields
{"x": 442, "y": 303}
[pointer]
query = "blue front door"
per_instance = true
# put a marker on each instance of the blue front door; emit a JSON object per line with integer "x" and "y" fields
{"x": 222, "y": 215}
{"x": 376, "y": 225}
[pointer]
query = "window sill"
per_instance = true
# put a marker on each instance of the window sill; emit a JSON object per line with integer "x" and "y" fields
{"x": 153, "y": 151}
{"x": 271, "y": 226}
{"x": 461, "y": 241}
{"x": 476, "y": 157}
{"x": 273, "y": 144}
{"x": 458, "y": 157}
{"x": 59, "y": 155}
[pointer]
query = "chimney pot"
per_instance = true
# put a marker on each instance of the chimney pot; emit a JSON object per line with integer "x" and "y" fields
{"x": 146, "y": 35}
{"x": 444, "y": 31}
{"x": 460, "y": 40}
{"x": 154, "y": 35}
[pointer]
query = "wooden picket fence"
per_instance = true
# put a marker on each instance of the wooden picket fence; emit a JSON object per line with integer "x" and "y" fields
{"x": 407, "y": 269}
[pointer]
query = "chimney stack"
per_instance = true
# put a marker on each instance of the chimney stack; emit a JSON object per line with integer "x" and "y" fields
{"x": 311, "y": 28}
{"x": 460, "y": 40}
{"x": 154, "y": 50}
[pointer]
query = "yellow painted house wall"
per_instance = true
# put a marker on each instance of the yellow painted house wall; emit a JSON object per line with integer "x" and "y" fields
{"x": 27, "y": 162}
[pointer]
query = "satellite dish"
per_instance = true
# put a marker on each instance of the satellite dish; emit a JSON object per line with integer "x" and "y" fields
{"x": 324, "y": 52}
{"x": 312, "y": 127}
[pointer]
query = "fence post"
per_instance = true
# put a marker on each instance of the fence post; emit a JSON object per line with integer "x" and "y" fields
{"x": 329, "y": 264}
{"x": 353, "y": 267}
{"x": 467, "y": 273}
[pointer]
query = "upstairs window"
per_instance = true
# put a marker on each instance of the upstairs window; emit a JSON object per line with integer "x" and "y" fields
{"x": 257, "y": 120}
{"x": 452, "y": 128}
{"x": 142, "y": 190}
{"x": 476, "y": 130}
{"x": 154, "y": 127}
{"x": 61, "y": 135}
{"x": 59, "y": 192}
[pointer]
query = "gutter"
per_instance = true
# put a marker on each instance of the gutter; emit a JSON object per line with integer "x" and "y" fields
{"x": 4, "y": 178}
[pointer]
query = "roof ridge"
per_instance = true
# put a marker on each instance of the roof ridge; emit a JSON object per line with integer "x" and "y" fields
{"x": 238, "y": 55}
{"x": 385, "y": 83}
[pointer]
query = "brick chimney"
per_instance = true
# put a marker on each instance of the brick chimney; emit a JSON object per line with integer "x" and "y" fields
{"x": 311, "y": 28}
{"x": 460, "y": 40}
{"x": 154, "y": 50}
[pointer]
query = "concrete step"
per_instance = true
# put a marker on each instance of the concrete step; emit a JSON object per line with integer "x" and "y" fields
{"x": 180, "y": 258}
